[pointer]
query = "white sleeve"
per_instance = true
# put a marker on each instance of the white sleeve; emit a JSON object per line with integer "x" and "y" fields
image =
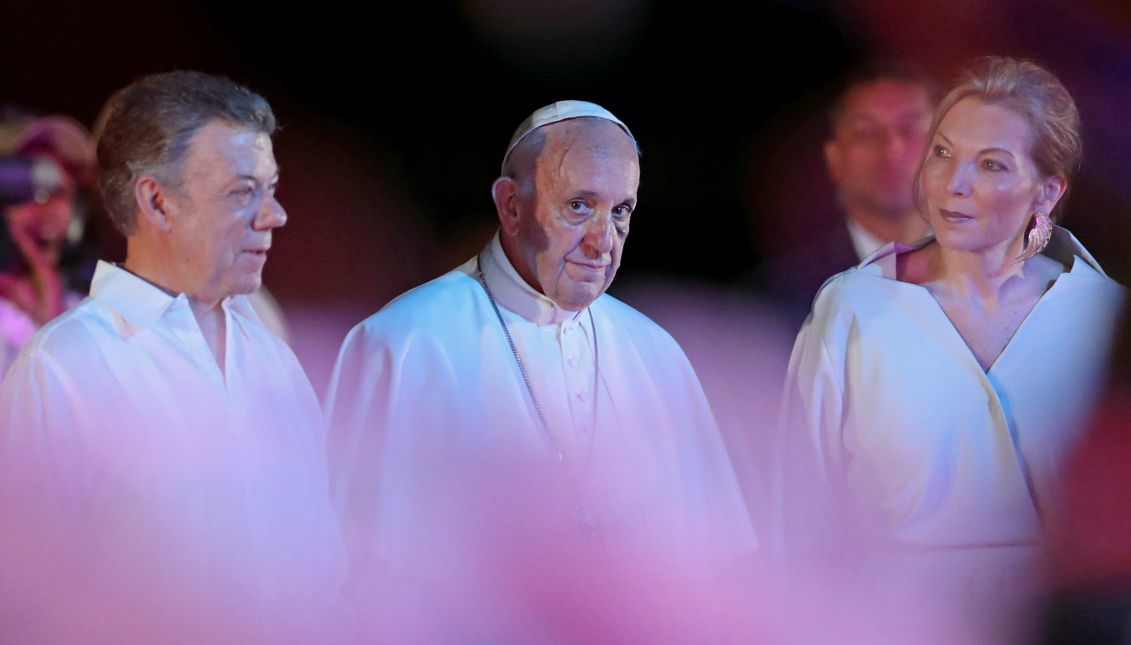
{"x": 357, "y": 409}
{"x": 48, "y": 475}
{"x": 810, "y": 430}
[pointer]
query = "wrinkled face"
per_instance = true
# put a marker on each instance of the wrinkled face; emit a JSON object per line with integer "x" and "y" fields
{"x": 875, "y": 150}
{"x": 573, "y": 227}
{"x": 226, "y": 210}
{"x": 980, "y": 183}
{"x": 39, "y": 226}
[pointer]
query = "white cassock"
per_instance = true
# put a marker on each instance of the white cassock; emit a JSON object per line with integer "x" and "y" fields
{"x": 434, "y": 439}
{"x": 942, "y": 471}
{"x": 148, "y": 496}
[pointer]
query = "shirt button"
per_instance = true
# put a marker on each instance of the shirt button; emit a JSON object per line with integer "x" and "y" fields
{"x": 581, "y": 396}
{"x": 572, "y": 360}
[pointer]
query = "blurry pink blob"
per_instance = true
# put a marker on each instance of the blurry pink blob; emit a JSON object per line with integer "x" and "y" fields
{"x": 515, "y": 569}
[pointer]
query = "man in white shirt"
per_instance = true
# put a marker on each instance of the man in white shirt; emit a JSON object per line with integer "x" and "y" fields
{"x": 511, "y": 401}
{"x": 161, "y": 473}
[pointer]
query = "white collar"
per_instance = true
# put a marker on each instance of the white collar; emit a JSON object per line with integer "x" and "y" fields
{"x": 513, "y": 293}
{"x": 1063, "y": 247}
{"x": 141, "y": 302}
{"x": 863, "y": 242}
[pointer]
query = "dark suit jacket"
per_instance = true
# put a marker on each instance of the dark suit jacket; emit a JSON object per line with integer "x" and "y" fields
{"x": 793, "y": 277}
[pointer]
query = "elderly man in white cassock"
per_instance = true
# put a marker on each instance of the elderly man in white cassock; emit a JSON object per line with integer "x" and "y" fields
{"x": 512, "y": 398}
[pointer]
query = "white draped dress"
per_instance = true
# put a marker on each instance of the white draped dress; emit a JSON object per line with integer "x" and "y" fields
{"x": 900, "y": 444}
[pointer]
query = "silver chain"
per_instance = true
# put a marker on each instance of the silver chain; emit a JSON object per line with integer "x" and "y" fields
{"x": 587, "y": 523}
{"x": 517, "y": 358}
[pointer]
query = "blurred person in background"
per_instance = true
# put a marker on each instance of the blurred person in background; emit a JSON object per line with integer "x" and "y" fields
{"x": 162, "y": 475}
{"x": 43, "y": 271}
{"x": 511, "y": 413}
{"x": 937, "y": 388}
{"x": 878, "y": 126}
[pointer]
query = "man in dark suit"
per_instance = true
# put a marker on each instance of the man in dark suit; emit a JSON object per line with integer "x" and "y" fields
{"x": 878, "y": 127}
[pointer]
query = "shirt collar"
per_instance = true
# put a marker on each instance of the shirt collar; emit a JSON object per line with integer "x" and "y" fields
{"x": 1066, "y": 249}
{"x": 863, "y": 242}
{"x": 513, "y": 293}
{"x": 1063, "y": 247}
{"x": 141, "y": 302}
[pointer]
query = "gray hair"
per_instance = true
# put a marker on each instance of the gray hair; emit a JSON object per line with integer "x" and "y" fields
{"x": 146, "y": 127}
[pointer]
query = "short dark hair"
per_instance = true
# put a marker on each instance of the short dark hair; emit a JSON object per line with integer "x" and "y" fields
{"x": 146, "y": 128}
{"x": 873, "y": 71}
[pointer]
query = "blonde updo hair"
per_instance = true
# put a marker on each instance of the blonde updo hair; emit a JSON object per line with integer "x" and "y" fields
{"x": 1035, "y": 95}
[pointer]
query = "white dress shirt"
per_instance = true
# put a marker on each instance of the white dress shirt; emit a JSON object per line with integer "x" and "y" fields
{"x": 863, "y": 242}
{"x": 155, "y": 493}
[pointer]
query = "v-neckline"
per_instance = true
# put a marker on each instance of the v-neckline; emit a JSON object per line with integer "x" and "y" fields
{"x": 937, "y": 306}
{"x": 962, "y": 339}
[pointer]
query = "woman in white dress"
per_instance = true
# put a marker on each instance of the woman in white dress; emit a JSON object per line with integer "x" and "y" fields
{"x": 936, "y": 389}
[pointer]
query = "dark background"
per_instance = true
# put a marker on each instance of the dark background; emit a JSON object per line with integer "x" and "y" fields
{"x": 395, "y": 118}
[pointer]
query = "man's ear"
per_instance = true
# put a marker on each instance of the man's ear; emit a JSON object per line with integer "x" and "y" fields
{"x": 153, "y": 203}
{"x": 833, "y": 160}
{"x": 505, "y": 193}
